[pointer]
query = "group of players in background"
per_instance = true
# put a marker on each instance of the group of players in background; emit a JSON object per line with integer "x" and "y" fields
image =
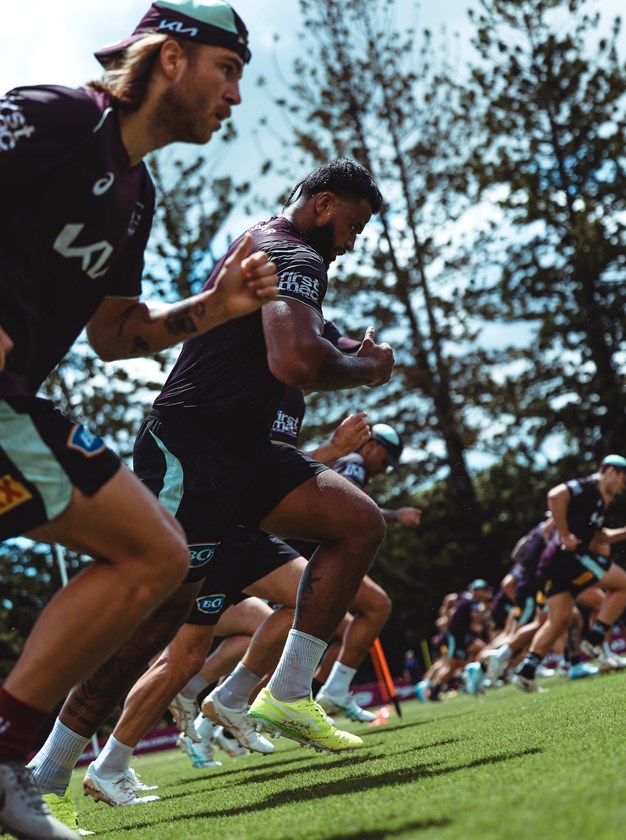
{"x": 221, "y": 512}
{"x": 561, "y": 595}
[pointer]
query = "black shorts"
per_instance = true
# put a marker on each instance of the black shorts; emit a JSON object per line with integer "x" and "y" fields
{"x": 567, "y": 571}
{"x": 526, "y": 591}
{"x": 232, "y": 569}
{"x": 43, "y": 455}
{"x": 203, "y": 479}
{"x": 457, "y": 644}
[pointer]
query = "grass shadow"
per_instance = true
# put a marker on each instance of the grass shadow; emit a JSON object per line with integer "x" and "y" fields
{"x": 355, "y": 784}
{"x": 416, "y": 825}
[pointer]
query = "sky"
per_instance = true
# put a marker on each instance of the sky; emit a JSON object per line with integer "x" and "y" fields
{"x": 53, "y": 42}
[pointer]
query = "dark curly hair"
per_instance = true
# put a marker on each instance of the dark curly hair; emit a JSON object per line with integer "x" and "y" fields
{"x": 342, "y": 176}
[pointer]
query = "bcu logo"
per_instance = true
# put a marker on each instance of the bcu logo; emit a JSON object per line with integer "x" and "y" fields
{"x": 199, "y": 555}
{"x": 85, "y": 441}
{"x": 210, "y": 604}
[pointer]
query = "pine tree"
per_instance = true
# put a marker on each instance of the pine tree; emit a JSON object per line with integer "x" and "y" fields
{"x": 549, "y": 90}
{"x": 360, "y": 89}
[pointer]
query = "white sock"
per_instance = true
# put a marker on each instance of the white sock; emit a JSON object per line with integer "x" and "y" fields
{"x": 504, "y": 653}
{"x": 339, "y": 679}
{"x": 293, "y": 676}
{"x": 52, "y": 766}
{"x": 114, "y": 759}
{"x": 204, "y": 727}
{"x": 236, "y": 689}
{"x": 194, "y": 687}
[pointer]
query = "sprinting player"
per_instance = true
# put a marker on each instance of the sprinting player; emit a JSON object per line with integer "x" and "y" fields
{"x": 228, "y": 703}
{"x": 236, "y": 626}
{"x": 77, "y": 210}
{"x": 530, "y": 612}
{"x": 568, "y": 566}
{"x": 462, "y": 644}
{"x": 372, "y": 606}
{"x": 205, "y": 451}
{"x": 503, "y": 606}
{"x": 246, "y": 564}
{"x": 527, "y": 615}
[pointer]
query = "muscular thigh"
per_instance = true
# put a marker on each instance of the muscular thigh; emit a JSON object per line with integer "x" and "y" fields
{"x": 121, "y": 522}
{"x": 243, "y": 618}
{"x": 280, "y": 585}
{"x": 324, "y": 508}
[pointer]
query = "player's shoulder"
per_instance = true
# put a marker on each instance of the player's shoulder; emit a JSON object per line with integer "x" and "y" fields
{"x": 352, "y": 458}
{"x": 284, "y": 243}
{"x": 70, "y": 109}
{"x": 352, "y": 467}
{"x": 577, "y": 486}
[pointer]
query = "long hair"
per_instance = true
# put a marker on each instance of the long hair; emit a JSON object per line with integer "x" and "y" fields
{"x": 128, "y": 73}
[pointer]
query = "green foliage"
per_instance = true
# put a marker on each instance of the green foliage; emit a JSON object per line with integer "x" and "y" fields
{"x": 364, "y": 90}
{"x": 550, "y": 92}
{"x": 28, "y": 578}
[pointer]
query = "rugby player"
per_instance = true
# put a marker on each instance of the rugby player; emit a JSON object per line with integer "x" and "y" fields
{"x": 76, "y": 214}
{"x": 205, "y": 451}
{"x": 371, "y": 606}
{"x": 569, "y": 565}
{"x": 246, "y": 563}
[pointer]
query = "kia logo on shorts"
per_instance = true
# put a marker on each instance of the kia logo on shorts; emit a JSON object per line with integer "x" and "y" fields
{"x": 199, "y": 555}
{"x": 210, "y": 604}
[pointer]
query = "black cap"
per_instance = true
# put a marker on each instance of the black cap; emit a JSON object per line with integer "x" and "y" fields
{"x": 212, "y": 22}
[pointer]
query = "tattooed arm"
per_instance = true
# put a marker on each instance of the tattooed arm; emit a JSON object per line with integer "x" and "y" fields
{"x": 123, "y": 329}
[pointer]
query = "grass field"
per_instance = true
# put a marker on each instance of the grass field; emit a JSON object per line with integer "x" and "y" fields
{"x": 506, "y": 765}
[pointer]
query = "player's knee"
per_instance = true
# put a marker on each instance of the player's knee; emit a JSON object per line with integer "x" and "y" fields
{"x": 368, "y": 525}
{"x": 383, "y": 605}
{"x": 192, "y": 662}
{"x": 170, "y": 562}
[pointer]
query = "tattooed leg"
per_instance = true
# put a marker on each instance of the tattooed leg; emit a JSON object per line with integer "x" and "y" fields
{"x": 90, "y": 703}
{"x": 349, "y": 528}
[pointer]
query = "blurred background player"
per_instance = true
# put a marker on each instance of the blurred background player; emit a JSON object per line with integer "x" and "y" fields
{"x": 569, "y": 565}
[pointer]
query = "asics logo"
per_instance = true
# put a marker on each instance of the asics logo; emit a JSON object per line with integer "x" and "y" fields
{"x": 103, "y": 184}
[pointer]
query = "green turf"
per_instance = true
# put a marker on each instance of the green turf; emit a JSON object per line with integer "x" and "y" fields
{"x": 506, "y": 765}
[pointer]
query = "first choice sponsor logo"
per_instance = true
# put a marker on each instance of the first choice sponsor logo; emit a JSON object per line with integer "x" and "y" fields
{"x": 12, "y": 493}
{"x": 12, "y": 125}
{"x": 200, "y": 554}
{"x": 285, "y": 424}
{"x": 300, "y": 284}
{"x": 210, "y": 604}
